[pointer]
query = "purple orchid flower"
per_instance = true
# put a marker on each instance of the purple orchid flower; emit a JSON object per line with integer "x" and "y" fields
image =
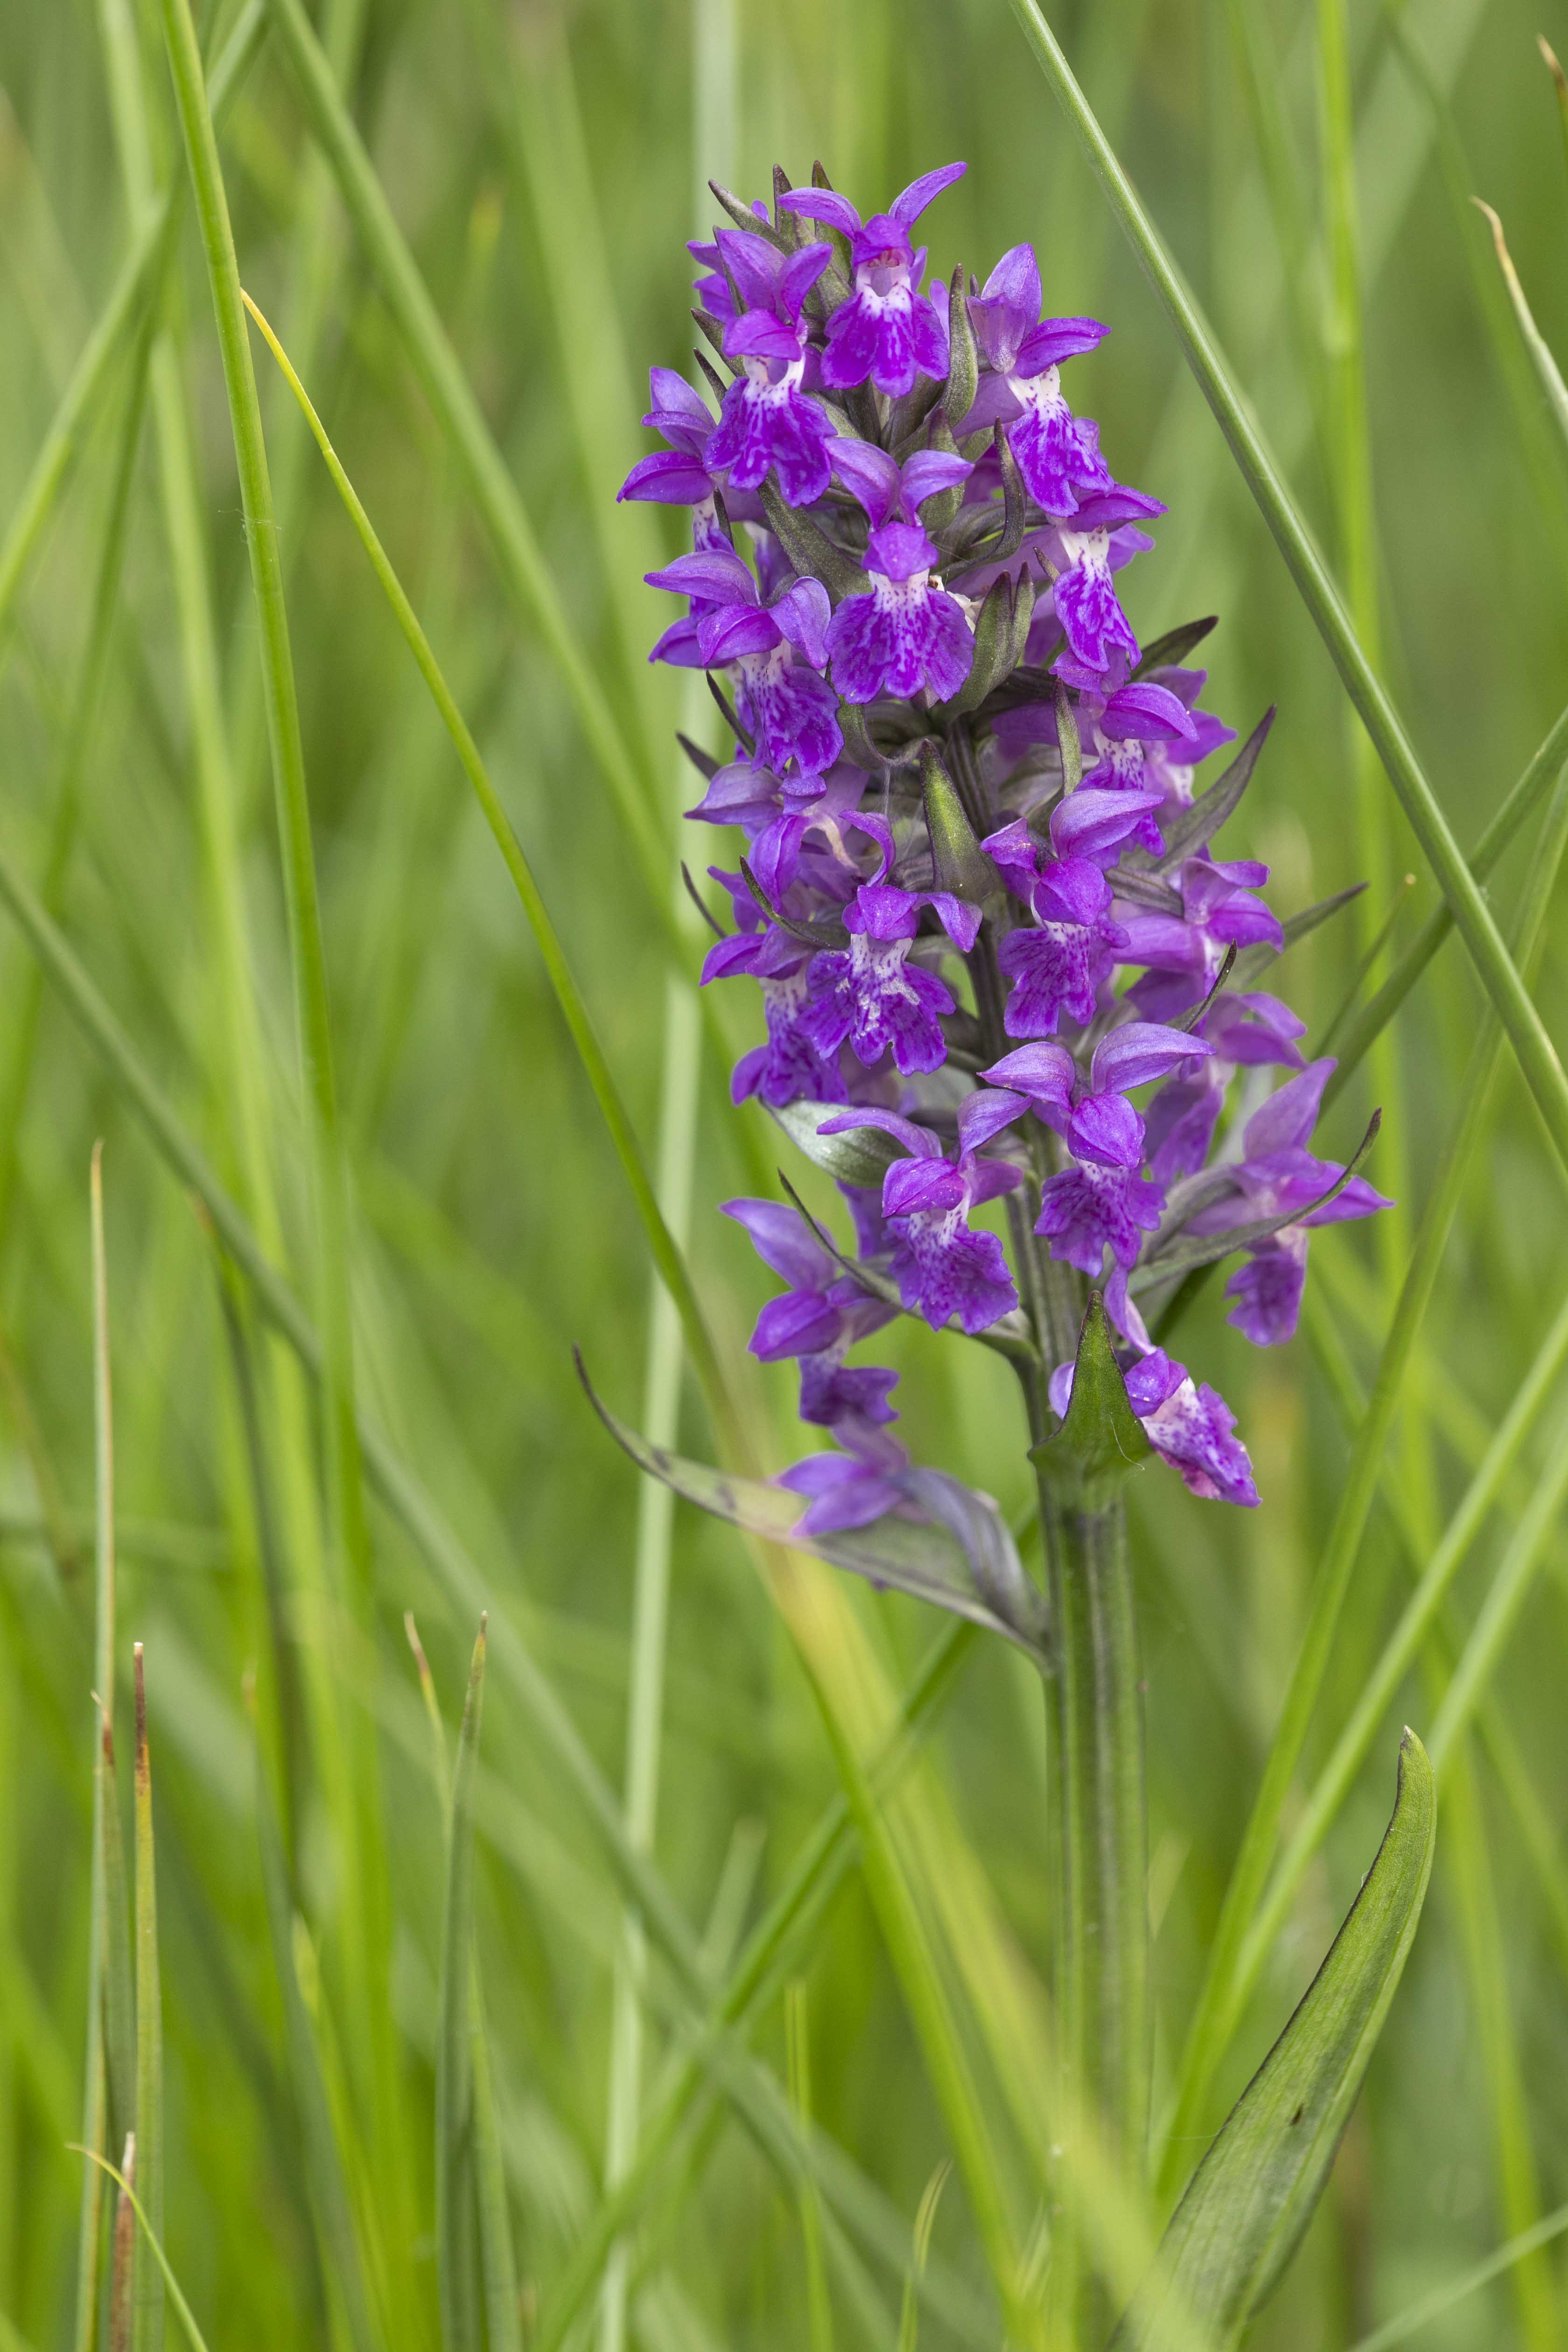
{"x": 787, "y": 1068}
{"x": 908, "y": 635}
{"x": 1087, "y": 605}
{"x": 887, "y": 331}
{"x": 818, "y": 1320}
{"x": 1245, "y": 1028}
{"x": 767, "y": 421}
{"x": 942, "y": 1268}
{"x": 1093, "y": 1116}
{"x": 1057, "y": 452}
{"x": 872, "y": 995}
{"x": 783, "y": 817}
{"x": 677, "y": 475}
{"x": 790, "y": 704}
{"x": 891, "y": 492}
{"x": 1059, "y": 964}
{"x": 1188, "y": 1424}
{"x": 852, "y": 1488}
{"x": 1183, "y": 953}
{"x": 1275, "y": 1174}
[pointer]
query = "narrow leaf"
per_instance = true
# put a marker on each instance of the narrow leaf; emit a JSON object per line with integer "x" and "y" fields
{"x": 154, "y": 2244}
{"x": 147, "y": 2331}
{"x": 119, "y": 1987}
{"x": 456, "y": 2212}
{"x": 1535, "y": 342}
{"x": 963, "y": 1559}
{"x": 810, "y": 550}
{"x": 1175, "y": 645}
{"x": 1200, "y": 822}
{"x": 1250, "y": 2200}
{"x": 1101, "y": 1442}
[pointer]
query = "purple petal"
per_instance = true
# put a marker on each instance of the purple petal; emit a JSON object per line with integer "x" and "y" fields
{"x": 1142, "y": 1050}
{"x": 906, "y": 209}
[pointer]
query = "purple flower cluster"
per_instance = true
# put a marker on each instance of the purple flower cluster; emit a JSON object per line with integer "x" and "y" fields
{"x": 977, "y": 890}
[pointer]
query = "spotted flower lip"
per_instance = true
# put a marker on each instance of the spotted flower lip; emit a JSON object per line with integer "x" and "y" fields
{"x": 888, "y": 331}
{"x": 907, "y": 635}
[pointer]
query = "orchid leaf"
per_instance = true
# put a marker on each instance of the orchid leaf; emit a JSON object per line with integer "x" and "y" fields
{"x": 1175, "y": 645}
{"x": 1198, "y": 824}
{"x": 1101, "y": 1442}
{"x": 863, "y": 1155}
{"x": 962, "y": 1557}
{"x": 1248, "y": 2205}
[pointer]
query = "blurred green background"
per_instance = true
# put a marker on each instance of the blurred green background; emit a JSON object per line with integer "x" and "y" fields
{"x": 543, "y": 163}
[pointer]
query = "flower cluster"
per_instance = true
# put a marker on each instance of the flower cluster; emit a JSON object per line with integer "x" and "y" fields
{"x": 978, "y": 892}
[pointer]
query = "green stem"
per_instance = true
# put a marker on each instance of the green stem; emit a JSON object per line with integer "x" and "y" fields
{"x": 1100, "y": 1853}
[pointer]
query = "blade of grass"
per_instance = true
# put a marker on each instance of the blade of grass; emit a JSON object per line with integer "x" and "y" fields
{"x": 456, "y": 2211}
{"x": 818, "y": 2298}
{"x": 95, "y": 2111}
{"x": 135, "y": 287}
{"x": 714, "y": 110}
{"x": 1518, "y": 2179}
{"x": 1442, "y": 2300}
{"x": 1546, "y": 369}
{"x": 665, "y": 1251}
{"x": 629, "y": 777}
{"x": 1220, "y": 1999}
{"x": 150, "y": 2239}
{"x": 1494, "y": 966}
{"x": 147, "y": 2322}
{"x": 1402, "y": 1647}
{"x": 368, "y": 2020}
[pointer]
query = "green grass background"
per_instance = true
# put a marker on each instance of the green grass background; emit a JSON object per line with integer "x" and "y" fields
{"x": 541, "y": 164}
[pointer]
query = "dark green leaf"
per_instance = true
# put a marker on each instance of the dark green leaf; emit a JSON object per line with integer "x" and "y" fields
{"x": 1252, "y": 2198}
{"x": 1199, "y": 823}
{"x": 1175, "y": 646}
{"x": 962, "y": 357}
{"x": 1101, "y": 1442}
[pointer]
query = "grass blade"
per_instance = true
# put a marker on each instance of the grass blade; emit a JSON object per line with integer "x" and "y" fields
{"x": 147, "y": 2326}
{"x": 95, "y": 2112}
{"x": 1442, "y": 2300}
{"x": 494, "y": 492}
{"x": 118, "y": 1979}
{"x": 457, "y": 2250}
{"x": 154, "y": 2243}
{"x": 1535, "y": 342}
{"x": 1495, "y": 967}
{"x": 574, "y": 1010}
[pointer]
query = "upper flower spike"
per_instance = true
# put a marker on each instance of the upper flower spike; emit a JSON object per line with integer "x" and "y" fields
{"x": 887, "y": 331}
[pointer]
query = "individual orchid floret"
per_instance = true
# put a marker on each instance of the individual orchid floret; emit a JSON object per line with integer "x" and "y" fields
{"x": 871, "y": 995}
{"x": 787, "y": 1068}
{"x": 1189, "y": 1424}
{"x": 1059, "y": 964}
{"x": 1092, "y": 1207}
{"x": 888, "y": 331}
{"x": 1278, "y": 1176}
{"x": 942, "y": 1268}
{"x": 1093, "y": 1116}
{"x": 850, "y": 1489}
{"x": 784, "y": 698}
{"x": 678, "y": 475}
{"x": 818, "y": 1320}
{"x": 891, "y": 492}
{"x": 1182, "y": 954}
{"x": 1245, "y": 1028}
{"x": 767, "y": 422}
{"x": 1087, "y": 605}
{"x": 780, "y": 816}
{"x": 1057, "y": 452}
{"x": 908, "y": 635}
